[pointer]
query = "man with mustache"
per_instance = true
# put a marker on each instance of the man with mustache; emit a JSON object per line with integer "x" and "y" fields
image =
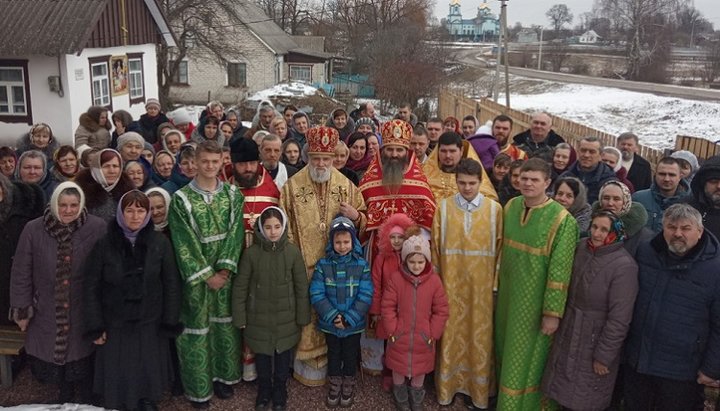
{"x": 639, "y": 170}
{"x": 395, "y": 183}
{"x": 312, "y": 198}
{"x": 673, "y": 347}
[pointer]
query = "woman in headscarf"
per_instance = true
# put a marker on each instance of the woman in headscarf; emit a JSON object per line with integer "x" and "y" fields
{"x": 616, "y": 197}
{"x": 46, "y": 298}
{"x": 184, "y": 170}
{"x": 291, "y": 154}
{"x": 94, "y": 129}
{"x": 342, "y": 122}
{"x": 571, "y": 194}
{"x": 209, "y": 129}
{"x": 162, "y": 167}
{"x": 612, "y": 157}
{"x": 140, "y": 174}
{"x": 585, "y": 357}
{"x": 172, "y": 140}
{"x": 40, "y": 138}
{"x": 66, "y": 164}
{"x": 132, "y": 297}
{"x": 360, "y": 156}
{"x": 159, "y": 207}
{"x": 104, "y": 183}
{"x": 32, "y": 168}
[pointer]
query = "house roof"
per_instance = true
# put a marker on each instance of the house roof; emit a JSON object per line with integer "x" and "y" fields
{"x": 46, "y": 26}
{"x": 52, "y": 27}
{"x": 310, "y": 42}
{"x": 264, "y": 28}
{"x": 591, "y": 33}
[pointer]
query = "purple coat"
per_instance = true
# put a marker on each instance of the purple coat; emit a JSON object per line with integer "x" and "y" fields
{"x": 486, "y": 148}
{"x": 33, "y": 284}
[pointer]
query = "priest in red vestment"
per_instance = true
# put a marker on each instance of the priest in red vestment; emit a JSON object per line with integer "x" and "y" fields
{"x": 395, "y": 183}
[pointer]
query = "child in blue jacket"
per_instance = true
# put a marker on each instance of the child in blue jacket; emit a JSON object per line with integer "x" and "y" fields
{"x": 341, "y": 291}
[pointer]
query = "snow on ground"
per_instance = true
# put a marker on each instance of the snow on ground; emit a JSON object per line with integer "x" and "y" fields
{"x": 657, "y": 120}
{"x": 293, "y": 89}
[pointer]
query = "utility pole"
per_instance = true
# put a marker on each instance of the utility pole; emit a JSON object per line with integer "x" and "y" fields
{"x": 542, "y": 29}
{"x": 503, "y": 19}
{"x": 495, "y": 89}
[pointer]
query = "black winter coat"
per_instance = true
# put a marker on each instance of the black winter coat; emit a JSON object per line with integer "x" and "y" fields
{"x": 149, "y": 125}
{"x": 640, "y": 173}
{"x": 675, "y": 330}
{"x": 27, "y": 202}
{"x": 128, "y": 285}
{"x": 710, "y": 213}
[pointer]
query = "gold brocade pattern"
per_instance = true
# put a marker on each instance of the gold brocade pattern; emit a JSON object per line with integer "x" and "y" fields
{"x": 300, "y": 202}
{"x": 443, "y": 184}
{"x": 466, "y": 248}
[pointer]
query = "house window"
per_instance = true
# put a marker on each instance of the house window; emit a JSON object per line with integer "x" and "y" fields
{"x": 137, "y": 81}
{"x": 14, "y": 92}
{"x": 100, "y": 81}
{"x": 236, "y": 75}
{"x": 181, "y": 75}
{"x": 301, "y": 73}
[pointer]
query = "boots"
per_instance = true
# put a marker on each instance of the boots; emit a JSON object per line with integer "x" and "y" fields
{"x": 264, "y": 395}
{"x": 279, "y": 394}
{"x": 334, "y": 387}
{"x": 348, "y": 391}
{"x": 400, "y": 395}
{"x": 417, "y": 395}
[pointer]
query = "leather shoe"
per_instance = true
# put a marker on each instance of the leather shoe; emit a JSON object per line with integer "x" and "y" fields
{"x": 204, "y": 405}
{"x": 223, "y": 391}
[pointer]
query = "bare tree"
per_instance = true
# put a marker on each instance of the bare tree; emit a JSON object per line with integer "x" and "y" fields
{"x": 558, "y": 54}
{"x": 203, "y": 29}
{"x": 290, "y": 15}
{"x": 559, "y": 15}
{"x": 646, "y": 25}
{"x": 711, "y": 69}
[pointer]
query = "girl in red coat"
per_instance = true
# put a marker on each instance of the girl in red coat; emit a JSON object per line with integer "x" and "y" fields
{"x": 414, "y": 312}
{"x": 387, "y": 262}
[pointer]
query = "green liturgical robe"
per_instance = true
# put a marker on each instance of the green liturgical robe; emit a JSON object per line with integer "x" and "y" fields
{"x": 207, "y": 232}
{"x": 535, "y": 269}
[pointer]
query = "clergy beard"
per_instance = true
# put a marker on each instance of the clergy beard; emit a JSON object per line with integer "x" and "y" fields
{"x": 393, "y": 171}
{"x": 318, "y": 176}
{"x": 447, "y": 169}
{"x": 245, "y": 180}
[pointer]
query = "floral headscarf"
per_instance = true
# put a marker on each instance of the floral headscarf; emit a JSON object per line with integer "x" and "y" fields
{"x": 617, "y": 229}
{"x": 627, "y": 195}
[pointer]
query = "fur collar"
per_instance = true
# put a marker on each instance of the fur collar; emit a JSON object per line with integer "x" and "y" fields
{"x": 95, "y": 194}
{"x": 90, "y": 124}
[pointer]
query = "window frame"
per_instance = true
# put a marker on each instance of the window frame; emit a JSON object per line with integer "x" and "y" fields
{"x": 242, "y": 84}
{"x": 92, "y": 61}
{"x": 177, "y": 81}
{"x": 141, "y": 98}
{"x": 13, "y": 117}
{"x": 300, "y": 66}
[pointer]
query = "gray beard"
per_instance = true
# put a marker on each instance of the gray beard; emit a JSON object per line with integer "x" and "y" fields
{"x": 319, "y": 176}
{"x": 627, "y": 155}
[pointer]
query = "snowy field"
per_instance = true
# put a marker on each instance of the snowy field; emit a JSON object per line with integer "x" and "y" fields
{"x": 657, "y": 120}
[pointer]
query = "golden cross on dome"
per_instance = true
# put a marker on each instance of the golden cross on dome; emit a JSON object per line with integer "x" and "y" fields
{"x": 454, "y": 2}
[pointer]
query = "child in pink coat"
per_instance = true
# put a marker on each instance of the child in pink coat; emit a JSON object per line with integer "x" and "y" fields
{"x": 414, "y": 312}
{"x": 386, "y": 263}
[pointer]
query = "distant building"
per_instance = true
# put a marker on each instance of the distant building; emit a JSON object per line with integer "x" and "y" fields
{"x": 527, "y": 36}
{"x": 589, "y": 37}
{"x": 485, "y": 26}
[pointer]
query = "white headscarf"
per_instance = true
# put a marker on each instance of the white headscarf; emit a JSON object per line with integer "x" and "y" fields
{"x": 166, "y": 196}
{"x": 97, "y": 174}
{"x": 55, "y": 198}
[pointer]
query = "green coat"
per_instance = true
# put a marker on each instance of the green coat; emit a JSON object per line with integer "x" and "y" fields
{"x": 270, "y": 295}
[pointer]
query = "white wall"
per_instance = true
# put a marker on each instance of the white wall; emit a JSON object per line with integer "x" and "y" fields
{"x": 63, "y": 113}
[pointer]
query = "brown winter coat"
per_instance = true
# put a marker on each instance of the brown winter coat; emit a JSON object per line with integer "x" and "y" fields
{"x": 92, "y": 134}
{"x": 33, "y": 284}
{"x": 597, "y": 317}
{"x": 414, "y": 312}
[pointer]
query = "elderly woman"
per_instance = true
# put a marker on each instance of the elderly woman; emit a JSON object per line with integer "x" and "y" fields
{"x": 172, "y": 140}
{"x": 616, "y": 197}
{"x": 104, "y": 183}
{"x": 33, "y": 168}
{"x": 94, "y": 129}
{"x": 572, "y": 194}
{"x": 66, "y": 164}
{"x": 40, "y": 138}
{"x": 162, "y": 167}
{"x": 132, "y": 295}
{"x": 585, "y": 357}
{"x": 130, "y": 146}
{"x": 612, "y": 157}
{"x": 46, "y": 296}
{"x": 159, "y": 207}
{"x": 140, "y": 174}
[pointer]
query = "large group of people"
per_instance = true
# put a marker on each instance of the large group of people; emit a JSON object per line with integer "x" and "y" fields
{"x": 518, "y": 272}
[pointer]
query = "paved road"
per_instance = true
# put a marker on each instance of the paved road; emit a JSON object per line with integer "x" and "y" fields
{"x": 470, "y": 57}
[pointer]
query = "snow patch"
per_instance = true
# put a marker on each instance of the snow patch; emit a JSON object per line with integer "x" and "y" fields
{"x": 293, "y": 89}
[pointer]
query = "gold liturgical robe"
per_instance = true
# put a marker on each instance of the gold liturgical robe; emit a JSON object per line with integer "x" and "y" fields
{"x": 465, "y": 249}
{"x": 443, "y": 184}
{"x": 310, "y": 209}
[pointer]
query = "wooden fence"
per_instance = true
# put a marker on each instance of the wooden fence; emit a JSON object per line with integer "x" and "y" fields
{"x": 451, "y": 104}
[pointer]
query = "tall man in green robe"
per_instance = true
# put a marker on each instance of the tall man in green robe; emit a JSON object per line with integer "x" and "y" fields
{"x": 539, "y": 238}
{"x": 206, "y": 225}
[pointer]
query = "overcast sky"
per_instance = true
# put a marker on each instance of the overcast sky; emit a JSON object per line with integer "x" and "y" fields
{"x": 533, "y": 11}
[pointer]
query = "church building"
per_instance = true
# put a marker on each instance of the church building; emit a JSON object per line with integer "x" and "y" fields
{"x": 485, "y": 26}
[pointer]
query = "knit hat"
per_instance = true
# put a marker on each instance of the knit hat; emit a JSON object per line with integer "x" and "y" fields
{"x": 149, "y": 147}
{"x": 341, "y": 224}
{"x": 485, "y": 129}
{"x": 689, "y": 157}
{"x": 365, "y": 120}
{"x": 129, "y": 136}
{"x": 180, "y": 117}
{"x": 416, "y": 244}
{"x": 243, "y": 150}
{"x": 152, "y": 102}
